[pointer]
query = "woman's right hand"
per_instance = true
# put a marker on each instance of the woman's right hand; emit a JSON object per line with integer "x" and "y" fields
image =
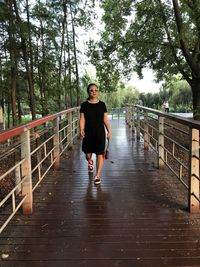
{"x": 82, "y": 133}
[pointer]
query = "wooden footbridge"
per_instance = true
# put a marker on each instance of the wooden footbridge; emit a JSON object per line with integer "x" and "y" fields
{"x": 139, "y": 215}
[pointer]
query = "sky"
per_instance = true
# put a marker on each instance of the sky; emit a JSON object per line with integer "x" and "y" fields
{"x": 147, "y": 84}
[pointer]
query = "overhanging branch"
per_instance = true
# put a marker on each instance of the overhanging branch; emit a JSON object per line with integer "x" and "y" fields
{"x": 180, "y": 67}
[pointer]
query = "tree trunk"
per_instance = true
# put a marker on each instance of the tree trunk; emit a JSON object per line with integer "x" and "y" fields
{"x": 28, "y": 69}
{"x": 13, "y": 96}
{"x": 62, "y": 51}
{"x": 13, "y": 69}
{"x": 42, "y": 73}
{"x": 75, "y": 58}
{"x": 8, "y": 113}
{"x": 30, "y": 74}
{"x": 196, "y": 98}
{"x": 1, "y": 100}
{"x": 39, "y": 78}
{"x": 65, "y": 81}
{"x": 69, "y": 67}
{"x": 19, "y": 110}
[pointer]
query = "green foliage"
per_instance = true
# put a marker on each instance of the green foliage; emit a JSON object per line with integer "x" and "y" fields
{"x": 162, "y": 35}
{"x": 120, "y": 97}
{"x": 46, "y": 56}
{"x": 137, "y": 34}
{"x": 151, "y": 100}
{"x": 175, "y": 90}
{"x": 181, "y": 96}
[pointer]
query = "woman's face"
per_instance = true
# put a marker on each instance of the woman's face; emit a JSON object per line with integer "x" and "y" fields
{"x": 93, "y": 91}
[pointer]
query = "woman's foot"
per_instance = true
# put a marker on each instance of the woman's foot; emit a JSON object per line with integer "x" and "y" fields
{"x": 90, "y": 165}
{"x": 97, "y": 180}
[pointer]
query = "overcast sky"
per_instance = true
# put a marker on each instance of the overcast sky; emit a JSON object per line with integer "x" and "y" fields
{"x": 147, "y": 84}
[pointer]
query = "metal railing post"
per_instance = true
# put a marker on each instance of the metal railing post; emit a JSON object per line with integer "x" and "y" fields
{"x": 194, "y": 171}
{"x": 26, "y": 172}
{"x": 146, "y": 131}
{"x": 126, "y": 113}
{"x": 133, "y": 118}
{"x": 70, "y": 130}
{"x": 56, "y": 144}
{"x": 161, "y": 143}
{"x": 130, "y": 121}
{"x": 18, "y": 179}
{"x": 78, "y": 128}
{"x": 138, "y": 124}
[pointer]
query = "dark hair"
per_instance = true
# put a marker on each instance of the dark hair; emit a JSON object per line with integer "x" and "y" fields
{"x": 89, "y": 85}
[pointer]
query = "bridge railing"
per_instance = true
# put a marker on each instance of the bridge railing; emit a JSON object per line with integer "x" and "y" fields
{"x": 27, "y": 154}
{"x": 116, "y": 113}
{"x": 175, "y": 140}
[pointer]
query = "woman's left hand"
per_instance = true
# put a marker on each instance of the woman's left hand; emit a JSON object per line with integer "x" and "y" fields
{"x": 108, "y": 135}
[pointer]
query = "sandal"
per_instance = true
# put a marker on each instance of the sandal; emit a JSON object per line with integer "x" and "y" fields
{"x": 97, "y": 180}
{"x": 90, "y": 165}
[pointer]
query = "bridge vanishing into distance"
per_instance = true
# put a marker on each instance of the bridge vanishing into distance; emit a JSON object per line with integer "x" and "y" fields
{"x": 144, "y": 213}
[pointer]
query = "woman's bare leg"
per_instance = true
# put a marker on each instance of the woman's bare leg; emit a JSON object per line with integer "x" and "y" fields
{"x": 90, "y": 162}
{"x": 88, "y": 156}
{"x": 99, "y": 163}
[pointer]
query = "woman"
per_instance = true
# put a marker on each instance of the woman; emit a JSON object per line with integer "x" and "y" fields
{"x": 93, "y": 120}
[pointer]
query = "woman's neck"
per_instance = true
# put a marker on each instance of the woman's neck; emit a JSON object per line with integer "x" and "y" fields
{"x": 93, "y": 100}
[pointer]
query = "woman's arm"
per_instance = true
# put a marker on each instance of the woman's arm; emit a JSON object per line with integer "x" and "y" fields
{"x": 82, "y": 125}
{"x": 107, "y": 124}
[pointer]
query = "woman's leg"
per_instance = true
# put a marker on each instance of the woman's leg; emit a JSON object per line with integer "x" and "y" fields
{"x": 99, "y": 162}
{"x": 88, "y": 156}
{"x": 90, "y": 162}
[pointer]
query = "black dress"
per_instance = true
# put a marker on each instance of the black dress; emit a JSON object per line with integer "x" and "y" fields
{"x": 94, "y": 140}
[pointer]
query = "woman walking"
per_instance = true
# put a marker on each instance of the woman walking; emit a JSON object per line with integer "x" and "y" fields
{"x": 93, "y": 121}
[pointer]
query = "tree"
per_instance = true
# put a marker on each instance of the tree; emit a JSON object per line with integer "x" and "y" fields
{"x": 75, "y": 56}
{"x": 121, "y": 96}
{"x": 180, "y": 95}
{"x": 162, "y": 35}
{"x": 39, "y": 55}
{"x": 24, "y": 31}
{"x": 13, "y": 62}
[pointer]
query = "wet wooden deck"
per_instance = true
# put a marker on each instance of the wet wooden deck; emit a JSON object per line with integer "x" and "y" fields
{"x": 136, "y": 217}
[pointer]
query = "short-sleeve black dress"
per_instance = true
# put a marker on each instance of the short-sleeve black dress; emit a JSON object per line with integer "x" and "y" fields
{"x": 94, "y": 140}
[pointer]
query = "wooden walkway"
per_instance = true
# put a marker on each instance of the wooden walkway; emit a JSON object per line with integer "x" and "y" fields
{"x": 136, "y": 217}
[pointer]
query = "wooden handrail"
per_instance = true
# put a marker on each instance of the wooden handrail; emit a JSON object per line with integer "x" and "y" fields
{"x": 6, "y": 134}
{"x": 188, "y": 122}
